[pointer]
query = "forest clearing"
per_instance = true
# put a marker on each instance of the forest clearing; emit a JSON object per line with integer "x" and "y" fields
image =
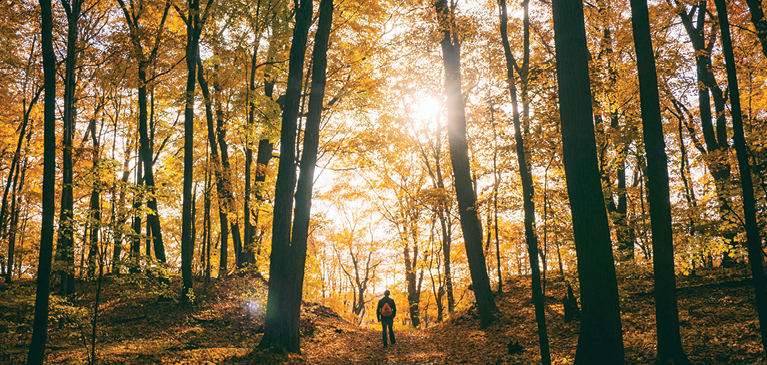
{"x": 503, "y": 182}
{"x": 718, "y": 326}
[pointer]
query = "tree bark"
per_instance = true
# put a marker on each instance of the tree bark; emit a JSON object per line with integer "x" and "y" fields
{"x": 281, "y": 328}
{"x": 670, "y": 349}
{"x": 65, "y": 242}
{"x": 143, "y": 61}
{"x": 757, "y": 17}
{"x": 600, "y": 340}
{"x": 40, "y": 325}
{"x": 193, "y": 30}
{"x": 281, "y": 332}
{"x": 527, "y": 187}
{"x": 754, "y": 243}
{"x": 459, "y": 156}
{"x": 217, "y": 170}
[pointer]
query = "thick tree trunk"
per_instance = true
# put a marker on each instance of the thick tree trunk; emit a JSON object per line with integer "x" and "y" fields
{"x": 40, "y": 325}
{"x": 754, "y": 245}
{"x": 670, "y": 349}
{"x": 281, "y": 330}
{"x": 600, "y": 340}
{"x": 459, "y": 155}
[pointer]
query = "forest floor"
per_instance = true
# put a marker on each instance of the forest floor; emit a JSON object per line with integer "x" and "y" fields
{"x": 717, "y": 317}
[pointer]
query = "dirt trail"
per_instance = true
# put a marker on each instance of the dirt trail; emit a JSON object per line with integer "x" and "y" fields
{"x": 365, "y": 346}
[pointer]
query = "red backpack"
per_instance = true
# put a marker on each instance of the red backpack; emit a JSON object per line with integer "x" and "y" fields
{"x": 386, "y": 310}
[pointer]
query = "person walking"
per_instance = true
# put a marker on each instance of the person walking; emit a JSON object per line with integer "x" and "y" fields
{"x": 386, "y": 311}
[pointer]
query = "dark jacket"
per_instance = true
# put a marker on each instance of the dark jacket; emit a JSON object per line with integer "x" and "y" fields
{"x": 391, "y": 304}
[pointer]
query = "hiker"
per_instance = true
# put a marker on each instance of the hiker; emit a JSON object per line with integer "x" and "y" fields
{"x": 386, "y": 312}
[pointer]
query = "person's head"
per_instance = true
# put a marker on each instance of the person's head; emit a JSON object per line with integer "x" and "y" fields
{"x": 386, "y": 292}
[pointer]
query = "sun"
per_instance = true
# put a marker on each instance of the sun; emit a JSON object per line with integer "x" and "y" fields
{"x": 425, "y": 113}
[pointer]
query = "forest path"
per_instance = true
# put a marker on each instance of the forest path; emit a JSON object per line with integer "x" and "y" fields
{"x": 352, "y": 345}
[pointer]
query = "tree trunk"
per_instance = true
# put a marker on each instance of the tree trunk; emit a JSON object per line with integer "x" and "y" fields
{"x": 281, "y": 328}
{"x": 121, "y": 219}
{"x": 670, "y": 349}
{"x": 600, "y": 340}
{"x": 757, "y": 17}
{"x": 527, "y": 190}
{"x": 14, "y": 224}
{"x": 217, "y": 170}
{"x": 227, "y": 190}
{"x": 715, "y": 139}
{"x": 95, "y": 205}
{"x": 65, "y": 242}
{"x": 755, "y": 251}
{"x": 153, "y": 218}
{"x": 413, "y": 290}
{"x": 40, "y": 325}
{"x": 249, "y": 229}
{"x": 137, "y": 198}
{"x": 459, "y": 155}
{"x": 193, "y": 30}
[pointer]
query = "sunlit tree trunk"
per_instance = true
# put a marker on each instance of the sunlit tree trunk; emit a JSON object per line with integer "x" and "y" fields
{"x": 600, "y": 340}
{"x": 459, "y": 155}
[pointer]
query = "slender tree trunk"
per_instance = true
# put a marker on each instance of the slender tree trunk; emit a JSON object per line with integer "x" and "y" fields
{"x": 15, "y": 208}
{"x": 193, "y": 30}
{"x": 40, "y": 325}
{"x": 121, "y": 219}
{"x": 755, "y": 251}
{"x": 227, "y": 189}
{"x": 600, "y": 340}
{"x": 217, "y": 170}
{"x": 715, "y": 139}
{"x": 153, "y": 218}
{"x": 281, "y": 329}
{"x": 527, "y": 191}
{"x": 459, "y": 155}
{"x": 95, "y": 204}
{"x": 207, "y": 226}
{"x": 249, "y": 229}
{"x": 137, "y": 202}
{"x": 14, "y": 170}
{"x": 670, "y": 349}
{"x": 65, "y": 242}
